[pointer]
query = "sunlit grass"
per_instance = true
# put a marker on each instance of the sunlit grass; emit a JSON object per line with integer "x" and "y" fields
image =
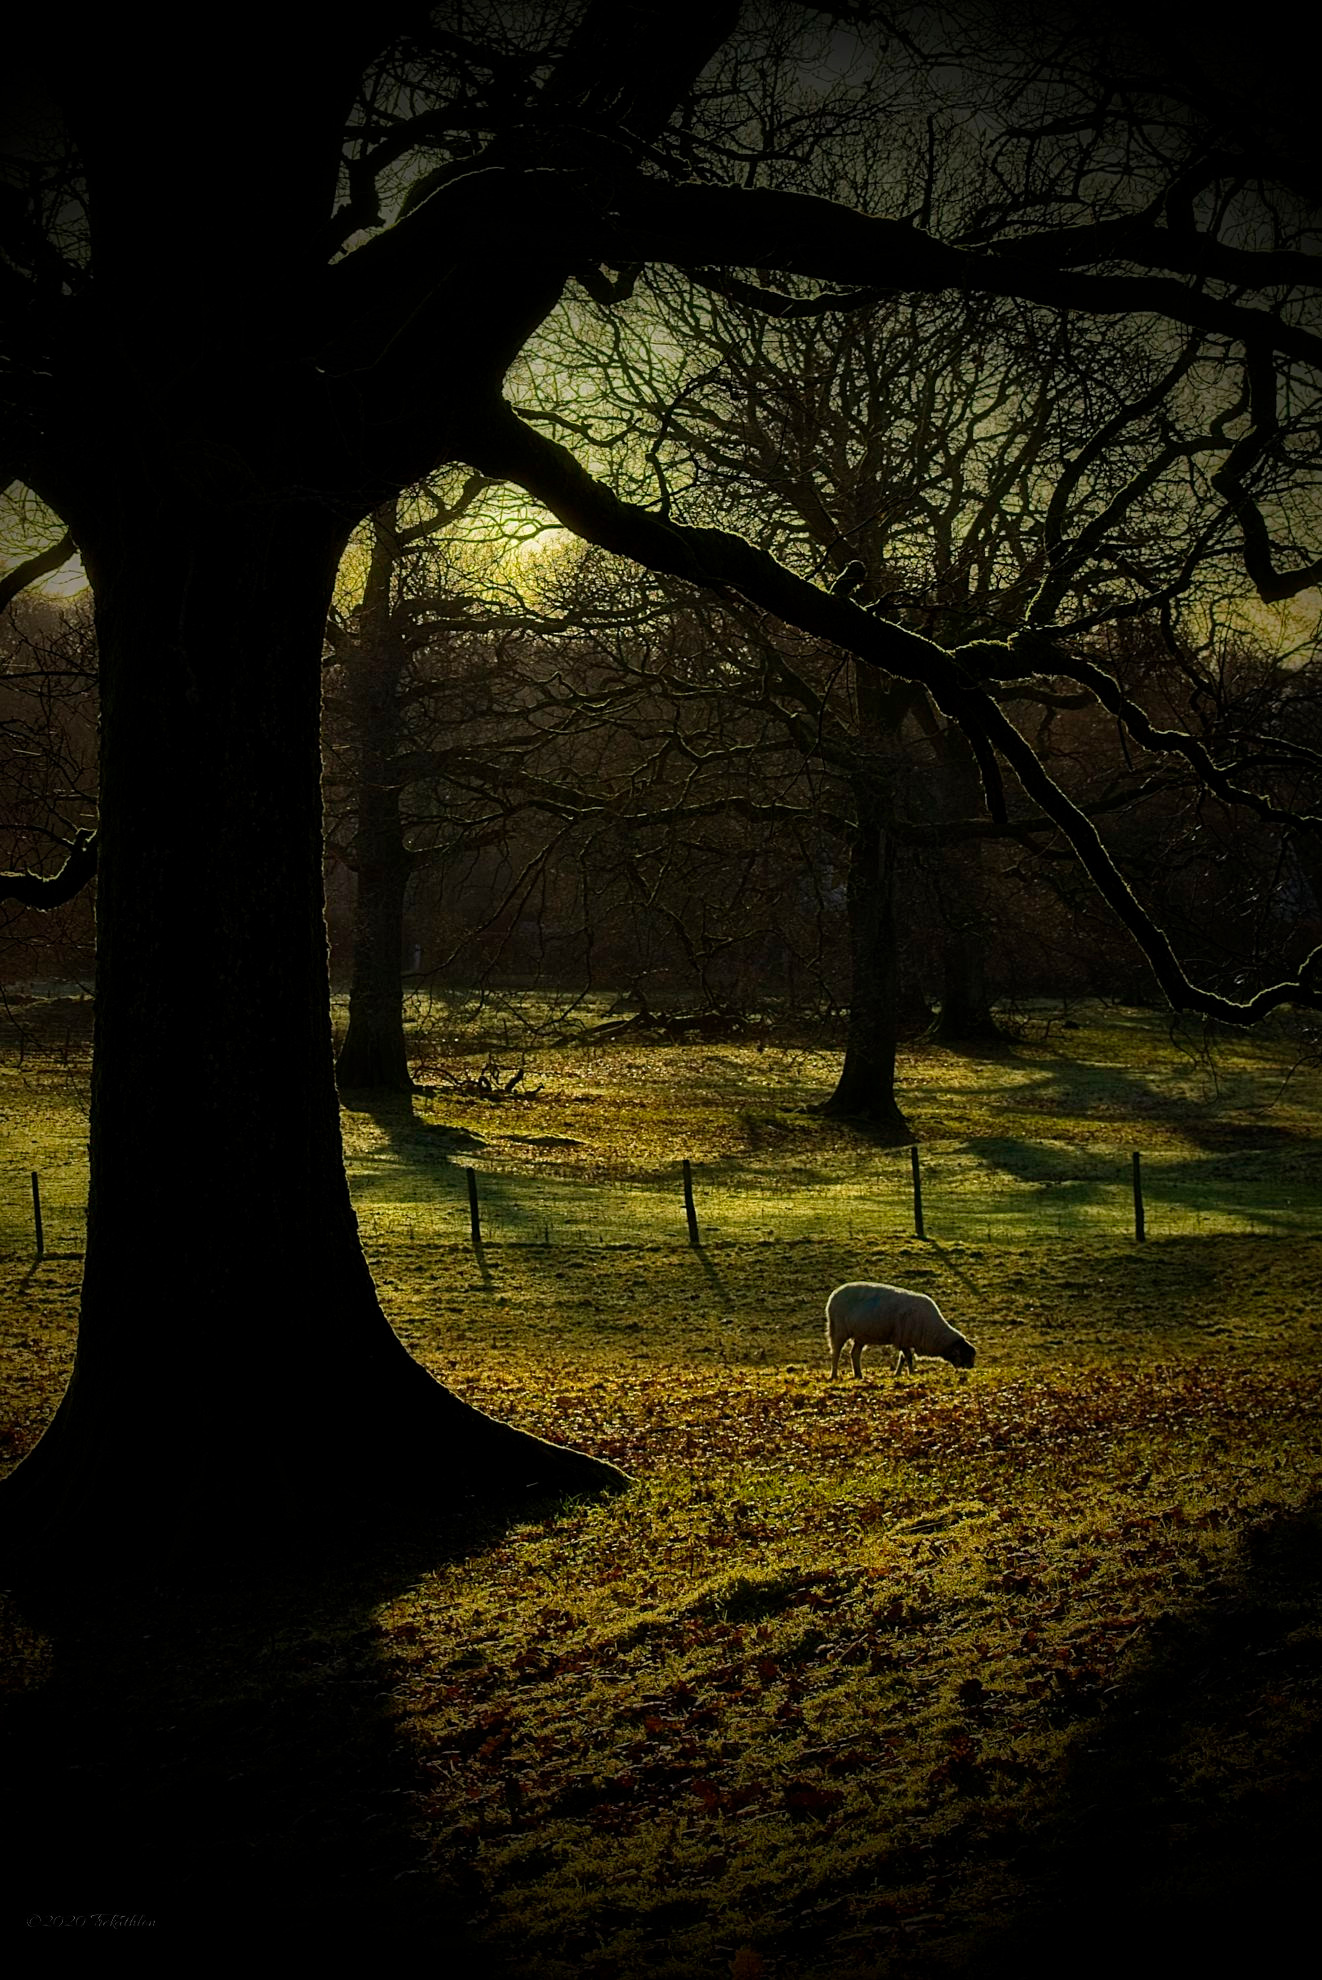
{"x": 1033, "y": 1142}
{"x": 858, "y": 1678}
{"x": 805, "y": 1688}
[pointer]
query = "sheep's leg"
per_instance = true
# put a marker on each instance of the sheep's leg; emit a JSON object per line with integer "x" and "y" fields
{"x": 836, "y": 1347}
{"x": 856, "y": 1356}
{"x": 906, "y": 1355}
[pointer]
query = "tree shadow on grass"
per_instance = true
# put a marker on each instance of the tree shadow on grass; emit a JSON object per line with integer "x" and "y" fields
{"x": 432, "y": 1157}
{"x": 1061, "y": 1087}
{"x": 411, "y": 1137}
{"x": 226, "y": 1757}
{"x": 1193, "y": 1804}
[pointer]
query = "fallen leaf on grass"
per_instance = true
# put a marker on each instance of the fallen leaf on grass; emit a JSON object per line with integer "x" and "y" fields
{"x": 816, "y": 1800}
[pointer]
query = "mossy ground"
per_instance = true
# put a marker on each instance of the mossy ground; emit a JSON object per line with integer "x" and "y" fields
{"x": 892, "y": 1677}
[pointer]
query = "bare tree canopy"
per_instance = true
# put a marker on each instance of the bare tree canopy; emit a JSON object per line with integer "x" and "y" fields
{"x": 496, "y": 154}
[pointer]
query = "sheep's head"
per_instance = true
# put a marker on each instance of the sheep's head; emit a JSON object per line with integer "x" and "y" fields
{"x": 961, "y": 1353}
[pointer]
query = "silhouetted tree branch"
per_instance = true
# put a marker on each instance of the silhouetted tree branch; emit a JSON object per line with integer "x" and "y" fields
{"x": 33, "y": 568}
{"x": 52, "y": 890}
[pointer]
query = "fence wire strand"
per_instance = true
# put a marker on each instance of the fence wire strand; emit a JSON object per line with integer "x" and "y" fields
{"x": 1015, "y": 1194}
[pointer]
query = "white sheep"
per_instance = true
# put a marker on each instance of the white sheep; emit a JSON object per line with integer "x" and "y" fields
{"x": 888, "y": 1316}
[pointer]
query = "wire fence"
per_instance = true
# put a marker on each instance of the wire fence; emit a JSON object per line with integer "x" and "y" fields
{"x": 415, "y": 1179}
{"x": 959, "y": 1192}
{"x": 1029, "y": 1190}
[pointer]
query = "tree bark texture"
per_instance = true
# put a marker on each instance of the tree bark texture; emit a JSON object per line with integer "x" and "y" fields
{"x": 234, "y": 1370}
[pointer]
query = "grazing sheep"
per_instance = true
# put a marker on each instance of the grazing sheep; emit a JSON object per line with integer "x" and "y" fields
{"x": 888, "y": 1316}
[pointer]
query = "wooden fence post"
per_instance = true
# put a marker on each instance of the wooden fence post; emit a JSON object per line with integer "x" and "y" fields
{"x": 474, "y": 1220}
{"x": 917, "y": 1193}
{"x": 689, "y": 1210}
{"x": 1140, "y": 1230}
{"x": 36, "y": 1214}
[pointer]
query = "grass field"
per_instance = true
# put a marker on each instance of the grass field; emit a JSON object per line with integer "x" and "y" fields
{"x": 1031, "y": 1144}
{"x": 918, "y": 1677}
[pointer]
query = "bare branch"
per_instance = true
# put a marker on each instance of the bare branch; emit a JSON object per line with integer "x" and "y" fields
{"x": 722, "y": 561}
{"x": 53, "y": 890}
{"x": 1231, "y": 480}
{"x": 33, "y": 568}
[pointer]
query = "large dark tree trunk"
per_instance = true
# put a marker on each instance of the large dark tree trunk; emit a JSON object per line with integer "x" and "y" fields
{"x": 234, "y": 1370}
{"x": 373, "y": 1056}
{"x": 212, "y": 412}
{"x": 866, "y": 1087}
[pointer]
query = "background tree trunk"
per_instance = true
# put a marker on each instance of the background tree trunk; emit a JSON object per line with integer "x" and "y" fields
{"x": 866, "y": 1087}
{"x": 373, "y": 1056}
{"x": 966, "y": 1016}
{"x": 234, "y": 1369}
